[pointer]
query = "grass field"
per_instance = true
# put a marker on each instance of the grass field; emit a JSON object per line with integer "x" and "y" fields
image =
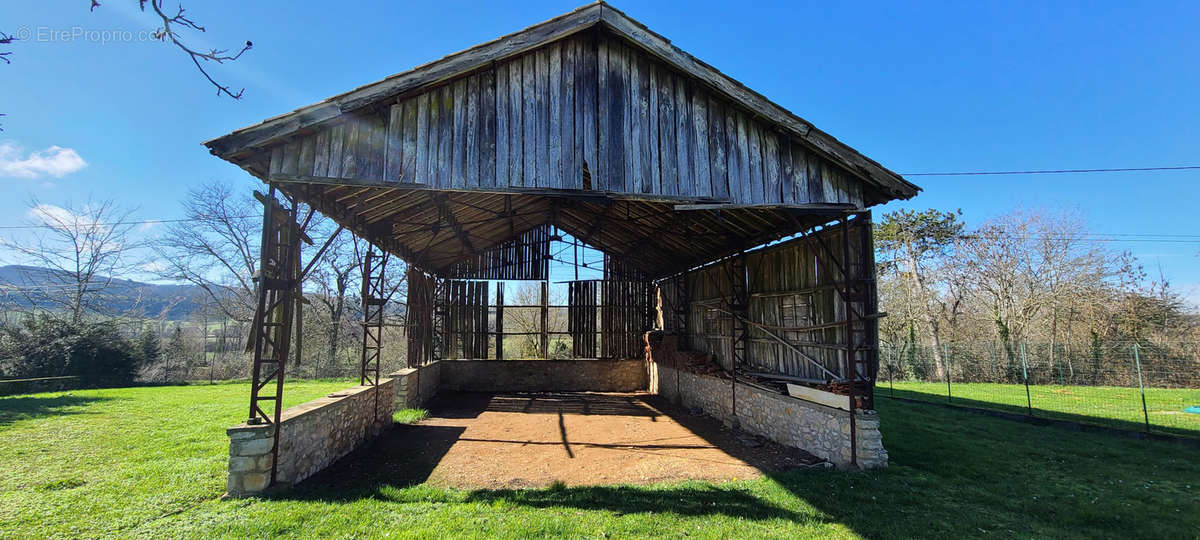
{"x": 1103, "y": 405}
{"x": 150, "y": 462}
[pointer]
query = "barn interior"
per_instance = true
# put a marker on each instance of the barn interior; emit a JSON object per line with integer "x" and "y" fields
{"x": 736, "y": 237}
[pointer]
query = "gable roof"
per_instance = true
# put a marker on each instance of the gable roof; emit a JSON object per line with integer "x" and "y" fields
{"x": 246, "y": 140}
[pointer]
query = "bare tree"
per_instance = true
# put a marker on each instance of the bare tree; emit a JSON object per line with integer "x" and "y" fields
{"x": 78, "y": 252}
{"x": 216, "y": 247}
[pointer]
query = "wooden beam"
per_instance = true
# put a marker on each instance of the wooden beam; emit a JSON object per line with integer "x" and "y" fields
{"x": 822, "y": 208}
{"x": 448, "y": 216}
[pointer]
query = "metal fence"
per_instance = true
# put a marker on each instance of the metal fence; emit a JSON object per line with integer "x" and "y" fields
{"x": 1153, "y": 387}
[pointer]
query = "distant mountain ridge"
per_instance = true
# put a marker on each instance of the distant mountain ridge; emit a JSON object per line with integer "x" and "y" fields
{"x": 121, "y": 297}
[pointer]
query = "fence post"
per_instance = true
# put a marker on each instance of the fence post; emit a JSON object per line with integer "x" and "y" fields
{"x": 1137, "y": 362}
{"x": 946, "y": 350}
{"x": 1025, "y": 376}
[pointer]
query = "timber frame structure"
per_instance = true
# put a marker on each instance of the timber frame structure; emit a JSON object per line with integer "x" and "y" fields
{"x": 593, "y": 125}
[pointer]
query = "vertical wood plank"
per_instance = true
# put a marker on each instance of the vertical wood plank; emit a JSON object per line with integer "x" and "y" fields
{"x": 350, "y": 147}
{"x": 787, "y": 172}
{"x": 800, "y": 171}
{"x": 816, "y": 190}
{"x": 740, "y": 150}
{"x": 754, "y": 145}
{"x": 645, "y": 171}
{"x": 683, "y": 136}
{"x": 542, "y": 96}
{"x": 408, "y": 162}
{"x": 831, "y": 193}
{"x": 304, "y": 162}
{"x": 600, "y": 170}
{"x": 655, "y": 180}
{"x": 516, "y": 127}
{"x": 716, "y": 149}
{"x": 337, "y": 135}
{"x": 393, "y": 147}
{"x": 700, "y": 161}
{"x": 487, "y": 125}
{"x": 771, "y": 165}
{"x": 276, "y": 159}
{"x": 458, "y": 152}
{"x": 617, "y": 115}
{"x": 502, "y": 97}
{"x": 570, "y": 173}
{"x": 445, "y": 136}
{"x": 554, "y": 115}
{"x": 667, "y": 147}
{"x": 379, "y": 123}
{"x": 529, "y": 119}
{"x": 421, "y": 160}
{"x": 471, "y": 177}
{"x": 587, "y": 85}
{"x": 321, "y": 157}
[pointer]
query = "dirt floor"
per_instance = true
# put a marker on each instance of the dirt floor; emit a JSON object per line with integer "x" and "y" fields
{"x": 473, "y": 440}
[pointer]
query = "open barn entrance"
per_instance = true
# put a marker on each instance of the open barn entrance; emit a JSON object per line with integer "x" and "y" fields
{"x": 737, "y": 277}
{"x": 518, "y": 440}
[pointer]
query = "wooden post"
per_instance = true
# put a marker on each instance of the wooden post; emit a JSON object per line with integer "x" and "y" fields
{"x": 500, "y": 320}
{"x": 545, "y": 319}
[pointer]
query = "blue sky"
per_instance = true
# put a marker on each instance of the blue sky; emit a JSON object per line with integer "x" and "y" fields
{"x": 917, "y": 86}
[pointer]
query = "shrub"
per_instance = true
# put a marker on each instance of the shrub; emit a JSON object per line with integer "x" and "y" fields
{"x": 47, "y": 346}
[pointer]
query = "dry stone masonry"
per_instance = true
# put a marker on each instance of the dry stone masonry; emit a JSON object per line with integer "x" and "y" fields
{"x": 312, "y": 436}
{"x": 821, "y": 431}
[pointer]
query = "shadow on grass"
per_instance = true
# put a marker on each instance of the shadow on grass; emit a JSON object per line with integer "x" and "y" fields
{"x": 16, "y": 408}
{"x": 687, "y": 499}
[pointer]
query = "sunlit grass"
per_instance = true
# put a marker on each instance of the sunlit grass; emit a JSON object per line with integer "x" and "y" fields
{"x": 150, "y": 462}
{"x": 1104, "y": 405}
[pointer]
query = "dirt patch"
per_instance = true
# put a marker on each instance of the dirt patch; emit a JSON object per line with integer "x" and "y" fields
{"x": 534, "y": 440}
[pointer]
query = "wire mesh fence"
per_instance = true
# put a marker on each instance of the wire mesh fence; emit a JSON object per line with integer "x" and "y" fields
{"x": 1152, "y": 387}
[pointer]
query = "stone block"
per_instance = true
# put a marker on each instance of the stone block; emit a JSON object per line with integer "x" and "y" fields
{"x": 250, "y": 447}
{"x": 255, "y": 482}
{"x": 241, "y": 464}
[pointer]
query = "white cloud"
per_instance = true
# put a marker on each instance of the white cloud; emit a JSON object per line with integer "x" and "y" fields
{"x": 54, "y": 161}
{"x": 154, "y": 266}
{"x": 48, "y": 214}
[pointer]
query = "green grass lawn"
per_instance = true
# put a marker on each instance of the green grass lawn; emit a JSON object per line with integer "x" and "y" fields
{"x": 150, "y": 462}
{"x": 1103, "y": 405}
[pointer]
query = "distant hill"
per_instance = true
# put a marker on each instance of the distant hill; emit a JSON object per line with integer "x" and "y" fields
{"x": 122, "y": 296}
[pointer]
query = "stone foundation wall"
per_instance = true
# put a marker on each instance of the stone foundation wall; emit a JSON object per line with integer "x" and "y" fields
{"x": 817, "y": 429}
{"x": 544, "y": 375}
{"x": 312, "y": 436}
{"x": 416, "y": 386}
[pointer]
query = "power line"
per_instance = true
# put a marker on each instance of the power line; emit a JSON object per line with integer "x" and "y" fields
{"x": 116, "y": 223}
{"x": 1056, "y": 171}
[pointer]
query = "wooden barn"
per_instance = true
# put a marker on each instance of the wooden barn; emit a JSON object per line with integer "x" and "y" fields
{"x": 735, "y": 232}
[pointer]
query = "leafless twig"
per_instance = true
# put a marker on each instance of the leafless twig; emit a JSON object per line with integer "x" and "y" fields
{"x": 6, "y": 39}
{"x": 169, "y": 33}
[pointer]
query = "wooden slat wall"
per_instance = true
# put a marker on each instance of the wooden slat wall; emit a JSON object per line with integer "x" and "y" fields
{"x": 581, "y": 318}
{"x": 526, "y": 256}
{"x": 535, "y": 120}
{"x": 467, "y": 319}
{"x": 625, "y": 308}
{"x": 419, "y": 316}
{"x": 790, "y": 285}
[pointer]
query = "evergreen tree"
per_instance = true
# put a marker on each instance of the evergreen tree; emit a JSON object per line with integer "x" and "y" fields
{"x": 149, "y": 347}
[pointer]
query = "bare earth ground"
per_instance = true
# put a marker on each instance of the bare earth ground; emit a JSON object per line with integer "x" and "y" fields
{"x": 474, "y": 440}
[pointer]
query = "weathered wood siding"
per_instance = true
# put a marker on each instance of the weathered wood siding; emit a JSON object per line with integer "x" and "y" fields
{"x": 791, "y": 285}
{"x": 538, "y": 119}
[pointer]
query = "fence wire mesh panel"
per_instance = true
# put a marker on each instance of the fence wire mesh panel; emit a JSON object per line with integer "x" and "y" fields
{"x": 1151, "y": 387}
